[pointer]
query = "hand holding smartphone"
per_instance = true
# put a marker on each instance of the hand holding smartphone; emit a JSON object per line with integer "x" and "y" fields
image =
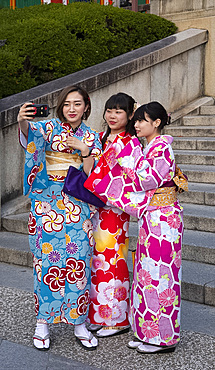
{"x": 38, "y": 110}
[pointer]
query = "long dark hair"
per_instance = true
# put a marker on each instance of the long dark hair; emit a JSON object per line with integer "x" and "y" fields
{"x": 155, "y": 111}
{"x": 120, "y": 101}
{"x": 62, "y": 98}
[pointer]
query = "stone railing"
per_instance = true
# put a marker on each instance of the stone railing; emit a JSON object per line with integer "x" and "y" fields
{"x": 170, "y": 71}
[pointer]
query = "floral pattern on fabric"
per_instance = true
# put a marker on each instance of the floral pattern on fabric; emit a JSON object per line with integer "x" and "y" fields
{"x": 156, "y": 288}
{"x": 60, "y": 227}
{"x": 109, "y": 297}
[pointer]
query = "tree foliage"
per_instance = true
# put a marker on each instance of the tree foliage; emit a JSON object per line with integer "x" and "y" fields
{"x": 45, "y": 42}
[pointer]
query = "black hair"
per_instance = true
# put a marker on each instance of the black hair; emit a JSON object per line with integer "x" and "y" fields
{"x": 155, "y": 111}
{"x": 120, "y": 101}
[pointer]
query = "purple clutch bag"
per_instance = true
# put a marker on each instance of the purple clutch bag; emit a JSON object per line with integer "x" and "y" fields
{"x": 74, "y": 185}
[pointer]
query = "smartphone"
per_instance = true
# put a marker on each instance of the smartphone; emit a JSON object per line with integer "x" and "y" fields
{"x": 39, "y": 110}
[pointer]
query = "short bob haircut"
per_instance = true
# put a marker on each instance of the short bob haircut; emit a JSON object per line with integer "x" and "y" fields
{"x": 62, "y": 98}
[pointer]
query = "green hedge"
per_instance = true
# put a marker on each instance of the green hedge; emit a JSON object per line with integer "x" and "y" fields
{"x": 45, "y": 42}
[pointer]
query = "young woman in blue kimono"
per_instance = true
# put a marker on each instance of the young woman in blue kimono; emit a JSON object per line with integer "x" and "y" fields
{"x": 60, "y": 228}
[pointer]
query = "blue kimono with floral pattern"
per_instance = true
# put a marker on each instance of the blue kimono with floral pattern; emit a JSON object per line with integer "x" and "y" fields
{"x": 60, "y": 229}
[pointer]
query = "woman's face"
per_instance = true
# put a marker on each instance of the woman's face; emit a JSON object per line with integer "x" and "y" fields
{"x": 147, "y": 128}
{"x": 74, "y": 108}
{"x": 116, "y": 120}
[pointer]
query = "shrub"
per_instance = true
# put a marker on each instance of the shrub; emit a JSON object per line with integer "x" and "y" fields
{"x": 45, "y": 42}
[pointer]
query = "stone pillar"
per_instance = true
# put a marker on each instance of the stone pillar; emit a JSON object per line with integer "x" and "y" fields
{"x": 155, "y": 7}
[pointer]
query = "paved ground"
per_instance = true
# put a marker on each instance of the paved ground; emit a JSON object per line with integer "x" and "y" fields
{"x": 195, "y": 351}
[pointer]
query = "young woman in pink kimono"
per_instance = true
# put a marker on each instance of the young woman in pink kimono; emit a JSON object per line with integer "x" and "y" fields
{"x": 145, "y": 183}
{"x": 156, "y": 288}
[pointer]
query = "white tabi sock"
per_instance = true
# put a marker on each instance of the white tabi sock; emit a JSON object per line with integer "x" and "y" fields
{"x": 82, "y": 332}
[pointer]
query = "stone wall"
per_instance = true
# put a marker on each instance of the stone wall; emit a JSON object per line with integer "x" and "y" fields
{"x": 167, "y": 7}
{"x": 170, "y": 71}
{"x": 193, "y": 14}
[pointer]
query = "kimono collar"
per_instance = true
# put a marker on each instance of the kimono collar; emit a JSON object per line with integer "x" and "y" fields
{"x": 67, "y": 125}
{"x": 161, "y": 138}
{"x": 112, "y": 137}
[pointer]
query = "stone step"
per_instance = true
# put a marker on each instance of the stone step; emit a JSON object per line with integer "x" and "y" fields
{"x": 199, "y": 173}
{"x": 197, "y": 317}
{"x": 189, "y": 131}
{"x": 198, "y": 246}
{"x": 199, "y": 194}
{"x": 199, "y": 120}
{"x": 14, "y": 249}
{"x": 191, "y": 108}
{"x": 21, "y": 204}
{"x": 198, "y": 282}
{"x": 16, "y": 223}
{"x": 201, "y": 218}
{"x": 201, "y": 157}
{"x": 193, "y": 143}
{"x": 207, "y": 110}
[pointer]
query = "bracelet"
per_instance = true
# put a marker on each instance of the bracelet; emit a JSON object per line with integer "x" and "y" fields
{"x": 86, "y": 156}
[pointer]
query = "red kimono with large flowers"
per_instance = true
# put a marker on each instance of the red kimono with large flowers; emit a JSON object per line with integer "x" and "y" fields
{"x": 109, "y": 297}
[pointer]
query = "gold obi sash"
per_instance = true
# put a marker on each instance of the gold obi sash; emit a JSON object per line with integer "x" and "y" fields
{"x": 167, "y": 195}
{"x": 164, "y": 197}
{"x": 57, "y": 164}
{"x": 180, "y": 180}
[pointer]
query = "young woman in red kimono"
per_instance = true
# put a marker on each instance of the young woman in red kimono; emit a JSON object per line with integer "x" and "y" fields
{"x": 110, "y": 277}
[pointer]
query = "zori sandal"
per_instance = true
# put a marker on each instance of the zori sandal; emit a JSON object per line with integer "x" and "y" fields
{"x": 111, "y": 331}
{"x": 41, "y": 343}
{"x": 150, "y": 349}
{"x": 133, "y": 344}
{"x": 86, "y": 342}
{"x": 94, "y": 327}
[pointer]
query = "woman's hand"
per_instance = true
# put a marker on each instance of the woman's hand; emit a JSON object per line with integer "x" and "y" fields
{"x": 25, "y": 113}
{"x": 74, "y": 143}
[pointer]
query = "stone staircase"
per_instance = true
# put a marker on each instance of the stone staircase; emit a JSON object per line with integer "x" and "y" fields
{"x": 194, "y": 148}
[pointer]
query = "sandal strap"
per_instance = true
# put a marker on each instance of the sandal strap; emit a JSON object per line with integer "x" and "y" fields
{"x": 38, "y": 337}
{"x": 85, "y": 338}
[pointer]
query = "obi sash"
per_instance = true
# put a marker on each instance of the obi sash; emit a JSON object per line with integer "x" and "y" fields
{"x": 167, "y": 194}
{"x": 57, "y": 163}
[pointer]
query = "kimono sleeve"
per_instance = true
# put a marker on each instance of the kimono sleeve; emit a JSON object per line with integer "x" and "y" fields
{"x": 151, "y": 171}
{"x": 35, "y": 175}
{"x": 131, "y": 183}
